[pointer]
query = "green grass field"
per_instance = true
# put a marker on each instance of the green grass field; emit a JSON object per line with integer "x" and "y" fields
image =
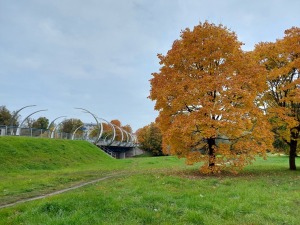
{"x": 147, "y": 190}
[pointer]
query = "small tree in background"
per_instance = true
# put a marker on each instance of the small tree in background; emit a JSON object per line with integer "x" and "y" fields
{"x": 69, "y": 125}
{"x": 5, "y": 116}
{"x": 41, "y": 123}
{"x": 127, "y": 128}
{"x": 116, "y": 122}
{"x": 28, "y": 122}
{"x": 150, "y": 139}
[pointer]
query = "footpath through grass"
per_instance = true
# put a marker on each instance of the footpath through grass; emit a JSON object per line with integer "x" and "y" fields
{"x": 163, "y": 190}
{"x": 35, "y": 166}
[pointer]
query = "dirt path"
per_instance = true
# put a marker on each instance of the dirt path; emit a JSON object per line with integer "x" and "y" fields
{"x": 58, "y": 192}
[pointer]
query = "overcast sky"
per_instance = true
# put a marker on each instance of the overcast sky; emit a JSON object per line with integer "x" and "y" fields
{"x": 99, "y": 54}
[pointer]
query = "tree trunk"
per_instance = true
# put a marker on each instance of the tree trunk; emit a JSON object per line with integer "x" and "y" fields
{"x": 292, "y": 158}
{"x": 293, "y": 147}
{"x": 211, "y": 153}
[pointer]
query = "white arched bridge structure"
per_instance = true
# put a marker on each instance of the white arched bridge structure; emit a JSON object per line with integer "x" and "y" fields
{"x": 114, "y": 136}
{"x": 116, "y": 141}
{"x": 111, "y": 138}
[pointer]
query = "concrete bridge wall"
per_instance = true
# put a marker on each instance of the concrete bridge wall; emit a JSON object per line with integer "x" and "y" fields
{"x": 121, "y": 152}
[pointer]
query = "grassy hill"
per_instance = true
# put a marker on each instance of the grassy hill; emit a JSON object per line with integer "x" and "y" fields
{"x": 149, "y": 190}
{"x": 35, "y": 166}
{"x": 24, "y": 153}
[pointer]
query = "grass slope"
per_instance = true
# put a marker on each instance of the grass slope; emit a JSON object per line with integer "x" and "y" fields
{"x": 34, "y": 166}
{"x": 23, "y": 153}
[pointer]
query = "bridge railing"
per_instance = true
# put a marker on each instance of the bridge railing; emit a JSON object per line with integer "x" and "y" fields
{"x": 46, "y": 133}
{"x": 32, "y": 132}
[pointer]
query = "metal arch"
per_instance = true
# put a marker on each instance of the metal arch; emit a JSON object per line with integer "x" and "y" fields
{"x": 72, "y": 138}
{"x": 114, "y": 135}
{"x": 101, "y": 130}
{"x": 114, "y": 131}
{"x": 88, "y": 131}
{"x": 135, "y": 140}
{"x": 95, "y": 117}
{"x": 19, "y": 127}
{"x": 130, "y": 138}
{"x": 131, "y": 142}
{"x": 122, "y": 135}
{"x": 99, "y": 133}
{"x": 127, "y": 137}
{"x": 52, "y": 133}
{"x": 54, "y": 121}
{"x": 15, "y": 115}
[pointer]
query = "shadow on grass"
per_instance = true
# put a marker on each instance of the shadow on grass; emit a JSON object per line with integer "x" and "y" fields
{"x": 274, "y": 165}
{"x": 249, "y": 172}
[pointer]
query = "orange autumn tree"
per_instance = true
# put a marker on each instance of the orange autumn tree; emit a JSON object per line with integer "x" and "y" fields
{"x": 150, "y": 139}
{"x": 127, "y": 128}
{"x": 281, "y": 60}
{"x": 206, "y": 94}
